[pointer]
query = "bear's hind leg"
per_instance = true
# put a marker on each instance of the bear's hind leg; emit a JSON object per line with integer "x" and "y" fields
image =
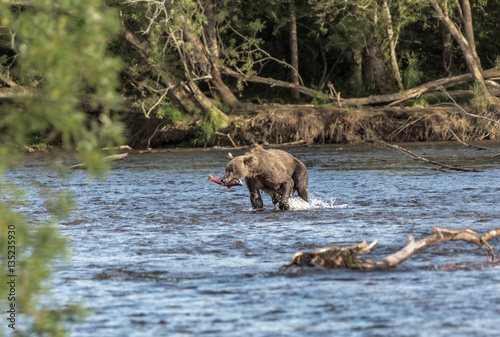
{"x": 302, "y": 192}
{"x": 286, "y": 191}
{"x": 301, "y": 179}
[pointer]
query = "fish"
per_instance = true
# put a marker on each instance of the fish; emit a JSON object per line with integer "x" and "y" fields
{"x": 230, "y": 184}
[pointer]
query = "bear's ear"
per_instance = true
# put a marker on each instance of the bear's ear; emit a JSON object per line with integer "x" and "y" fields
{"x": 230, "y": 156}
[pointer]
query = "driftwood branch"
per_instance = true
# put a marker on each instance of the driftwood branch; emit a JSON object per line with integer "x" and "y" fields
{"x": 334, "y": 93}
{"x": 120, "y": 148}
{"x": 467, "y": 144}
{"x": 157, "y": 129}
{"x": 465, "y": 112}
{"x": 108, "y": 158}
{"x": 439, "y": 235}
{"x": 334, "y": 257}
{"x": 346, "y": 257}
{"x": 228, "y": 136}
{"x": 415, "y": 156}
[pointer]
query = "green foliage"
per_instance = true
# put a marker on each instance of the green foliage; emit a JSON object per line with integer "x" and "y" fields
{"x": 421, "y": 102}
{"x": 412, "y": 75}
{"x": 242, "y": 49}
{"x": 211, "y": 122}
{"x": 479, "y": 102}
{"x": 61, "y": 65}
{"x": 161, "y": 108}
{"x": 321, "y": 100}
{"x": 171, "y": 113}
{"x": 62, "y": 62}
{"x": 343, "y": 24}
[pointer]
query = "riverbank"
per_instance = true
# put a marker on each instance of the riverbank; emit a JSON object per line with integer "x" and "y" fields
{"x": 280, "y": 124}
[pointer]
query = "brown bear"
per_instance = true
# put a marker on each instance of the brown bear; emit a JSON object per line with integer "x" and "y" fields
{"x": 275, "y": 172}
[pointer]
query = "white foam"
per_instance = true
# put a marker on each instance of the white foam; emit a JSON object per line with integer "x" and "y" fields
{"x": 299, "y": 204}
{"x": 317, "y": 203}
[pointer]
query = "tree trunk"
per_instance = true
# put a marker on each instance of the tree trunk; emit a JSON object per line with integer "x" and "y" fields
{"x": 327, "y": 77}
{"x": 376, "y": 72}
{"x": 210, "y": 30}
{"x": 472, "y": 61}
{"x": 469, "y": 32}
{"x": 210, "y": 67}
{"x": 398, "y": 97}
{"x": 412, "y": 93}
{"x": 447, "y": 39}
{"x": 212, "y": 42}
{"x": 208, "y": 64}
{"x": 294, "y": 51}
{"x": 357, "y": 69}
{"x": 392, "y": 46}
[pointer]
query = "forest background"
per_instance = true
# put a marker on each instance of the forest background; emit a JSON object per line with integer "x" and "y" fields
{"x": 280, "y": 71}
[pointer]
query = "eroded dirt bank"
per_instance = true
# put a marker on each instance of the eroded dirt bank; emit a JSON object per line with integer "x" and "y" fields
{"x": 277, "y": 124}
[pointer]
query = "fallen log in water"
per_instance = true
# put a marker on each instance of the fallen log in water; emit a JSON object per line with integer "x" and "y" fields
{"x": 108, "y": 158}
{"x": 347, "y": 257}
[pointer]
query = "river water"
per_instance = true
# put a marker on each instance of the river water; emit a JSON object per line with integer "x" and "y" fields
{"x": 158, "y": 251}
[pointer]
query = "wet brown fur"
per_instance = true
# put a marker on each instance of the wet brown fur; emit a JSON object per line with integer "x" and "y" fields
{"x": 275, "y": 172}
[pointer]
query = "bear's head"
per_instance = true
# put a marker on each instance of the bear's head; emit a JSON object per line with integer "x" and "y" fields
{"x": 238, "y": 168}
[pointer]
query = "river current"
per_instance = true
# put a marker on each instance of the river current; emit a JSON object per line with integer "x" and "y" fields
{"x": 158, "y": 251}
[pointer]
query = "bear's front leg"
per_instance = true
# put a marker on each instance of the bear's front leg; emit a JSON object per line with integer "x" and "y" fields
{"x": 275, "y": 197}
{"x": 286, "y": 191}
{"x": 256, "y": 199}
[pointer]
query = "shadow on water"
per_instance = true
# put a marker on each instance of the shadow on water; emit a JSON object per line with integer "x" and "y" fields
{"x": 157, "y": 251}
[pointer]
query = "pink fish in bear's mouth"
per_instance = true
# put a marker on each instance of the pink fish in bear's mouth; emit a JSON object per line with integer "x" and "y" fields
{"x": 230, "y": 184}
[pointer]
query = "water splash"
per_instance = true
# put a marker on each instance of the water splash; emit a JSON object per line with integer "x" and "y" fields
{"x": 317, "y": 203}
{"x": 314, "y": 203}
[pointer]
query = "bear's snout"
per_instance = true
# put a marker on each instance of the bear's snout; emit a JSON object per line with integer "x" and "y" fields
{"x": 226, "y": 179}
